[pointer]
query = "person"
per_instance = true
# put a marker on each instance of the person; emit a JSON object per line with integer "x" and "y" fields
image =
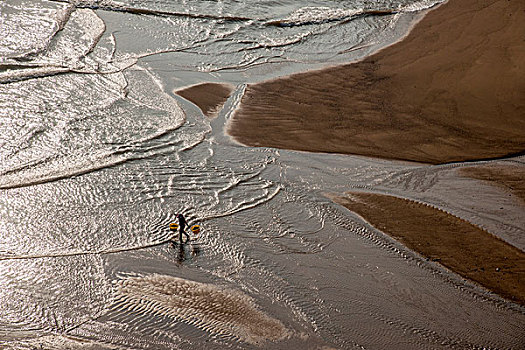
{"x": 182, "y": 226}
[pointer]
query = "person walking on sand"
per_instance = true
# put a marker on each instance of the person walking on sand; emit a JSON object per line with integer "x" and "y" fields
{"x": 182, "y": 226}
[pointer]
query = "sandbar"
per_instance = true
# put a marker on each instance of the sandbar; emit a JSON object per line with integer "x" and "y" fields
{"x": 460, "y": 246}
{"x": 209, "y": 97}
{"x": 452, "y": 90}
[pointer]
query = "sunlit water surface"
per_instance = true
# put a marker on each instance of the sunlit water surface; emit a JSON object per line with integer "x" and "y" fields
{"x": 97, "y": 155}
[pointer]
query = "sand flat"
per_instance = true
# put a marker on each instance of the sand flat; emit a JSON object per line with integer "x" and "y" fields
{"x": 220, "y": 311}
{"x": 455, "y": 243}
{"x": 508, "y": 177}
{"x": 452, "y": 90}
{"x": 209, "y": 97}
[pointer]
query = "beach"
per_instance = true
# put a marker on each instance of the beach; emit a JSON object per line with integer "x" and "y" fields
{"x": 509, "y": 178}
{"x": 382, "y": 207}
{"x": 444, "y": 238}
{"x": 452, "y": 90}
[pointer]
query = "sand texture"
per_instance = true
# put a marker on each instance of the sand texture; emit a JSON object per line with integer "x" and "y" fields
{"x": 511, "y": 178}
{"x": 455, "y": 243}
{"x": 208, "y": 307}
{"x": 209, "y": 97}
{"x": 452, "y": 90}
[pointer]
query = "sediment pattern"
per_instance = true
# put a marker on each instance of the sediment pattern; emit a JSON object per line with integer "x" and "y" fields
{"x": 453, "y": 242}
{"x": 420, "y": 100}
{"x": 209, "y": 97}
{"x": 508, "y": 177}
{"x": 219, "y": 311}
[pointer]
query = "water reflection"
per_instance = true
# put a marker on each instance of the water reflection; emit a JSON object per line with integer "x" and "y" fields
{"x": 185, "y": 251}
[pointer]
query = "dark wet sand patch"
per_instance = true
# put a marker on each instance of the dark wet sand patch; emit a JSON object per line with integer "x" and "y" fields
{"x": 466, "y": 249}
{"x": 209, "y": 97}
{"x": 452, "y": 90}
{"x": 509, "y": 177}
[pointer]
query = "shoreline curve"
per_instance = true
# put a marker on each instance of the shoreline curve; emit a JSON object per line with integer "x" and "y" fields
{"x": 452, "y": 90}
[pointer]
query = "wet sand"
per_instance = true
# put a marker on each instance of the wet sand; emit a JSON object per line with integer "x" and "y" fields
{"x": 510, "y": 178}
{"x": 219, "y": 311}
{"x": 452, "y": 90}
{"x": 209, "y": 97}
{"x": 455, "y": 243}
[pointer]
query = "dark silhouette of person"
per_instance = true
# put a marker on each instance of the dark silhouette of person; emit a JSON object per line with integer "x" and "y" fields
{"x": 182, "y": 225}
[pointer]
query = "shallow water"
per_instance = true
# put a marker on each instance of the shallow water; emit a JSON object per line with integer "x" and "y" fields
{"x": 97, "y": 155}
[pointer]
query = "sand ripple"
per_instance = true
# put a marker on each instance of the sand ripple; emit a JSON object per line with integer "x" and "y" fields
{"x": 205, "y": 306}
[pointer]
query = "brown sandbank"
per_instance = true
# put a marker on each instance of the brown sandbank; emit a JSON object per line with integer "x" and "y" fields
{"x": 509, "y": 177}
{"x": 452, "y": 90}
{"x": 209, "y": 97}
{"x": 455, "y": 243}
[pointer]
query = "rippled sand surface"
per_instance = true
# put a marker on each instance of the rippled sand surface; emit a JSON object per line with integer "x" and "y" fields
{"x": 455, "y": 243}
{"x": 219, "y": 311}
{"x": 98, "y": 153}
{"x": 451, "y": 91}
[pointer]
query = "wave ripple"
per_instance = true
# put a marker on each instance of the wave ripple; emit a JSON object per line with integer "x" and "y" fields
{"x": 208, "y": 307}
